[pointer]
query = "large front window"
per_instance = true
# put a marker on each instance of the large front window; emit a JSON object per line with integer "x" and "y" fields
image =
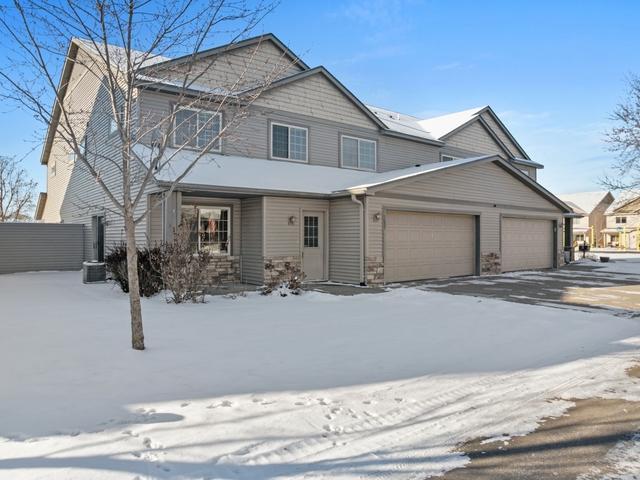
{"x": 197, "y": 129}
{"x": 210, "y": 228}
{"x": 288, "y": 142}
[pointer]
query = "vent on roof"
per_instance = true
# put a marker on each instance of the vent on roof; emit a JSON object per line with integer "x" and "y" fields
{"x": 394, "y": 116}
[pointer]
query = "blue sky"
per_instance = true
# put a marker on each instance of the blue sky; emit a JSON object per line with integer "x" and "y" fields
{"x": 553, "y": 71}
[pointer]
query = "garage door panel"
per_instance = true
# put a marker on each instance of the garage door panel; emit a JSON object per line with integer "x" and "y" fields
{"x": 428, "y": 245}
{"x": 527, "y": 244}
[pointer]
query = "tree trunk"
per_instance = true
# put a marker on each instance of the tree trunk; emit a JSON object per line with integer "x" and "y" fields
{"x": 137, "y": 334}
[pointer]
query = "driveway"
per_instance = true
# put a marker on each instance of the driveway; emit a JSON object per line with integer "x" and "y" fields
{"x": 585, "y": 285}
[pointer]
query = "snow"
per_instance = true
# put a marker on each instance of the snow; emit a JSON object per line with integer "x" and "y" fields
{"x": 430, "y": 128}
{"x": 228, "y": 171}
{"x": 619, "y": 263}
{"x": 444, "y": 124}
{"x": 586, "y": 201}
{"x": 317, "y": 386}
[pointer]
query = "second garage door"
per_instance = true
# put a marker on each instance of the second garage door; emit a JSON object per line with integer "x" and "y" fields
{"x": 422, "y": 245}
{"x": 526, "y": 244}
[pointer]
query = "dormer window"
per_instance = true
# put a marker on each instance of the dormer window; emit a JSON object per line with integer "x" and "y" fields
{"x": 197, "y": 129}
{"x": 621, "y": 219}
{"x": 358, "y": 153}
{"x": 289, "y": 142}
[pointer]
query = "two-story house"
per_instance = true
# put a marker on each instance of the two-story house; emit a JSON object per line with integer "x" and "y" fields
{"x": 350, "y": 192}
{"x": 592, "y": 206}
{"x": 622, "y": 229}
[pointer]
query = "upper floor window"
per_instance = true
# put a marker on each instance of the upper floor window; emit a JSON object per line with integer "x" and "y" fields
{"x": 448, "y": 158}
{"x": 621, "y": 219}
{"x": 113, "y": 124}
{"x": 197, "y": 129}
{"x": 289, "y": 142}
{"x": 358, "y": 153}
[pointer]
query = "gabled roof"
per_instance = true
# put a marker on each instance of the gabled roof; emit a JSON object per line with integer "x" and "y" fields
{"x": 624, "y": 200}
{"x": 243, "y": 175}
{"x": 447, "y": 125}
{"x": 443, "y": 125}
{"x": 585, "y": 201}
{"x": 402, "y": 123}
{"x": 267, "y": 37}
{"x": 336, "y": 83}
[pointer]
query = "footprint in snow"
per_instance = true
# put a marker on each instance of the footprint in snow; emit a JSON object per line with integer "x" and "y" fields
{"x": 399, "y": 399}
{"x": 185, "y": 404}
{"x": 323, "y": 401}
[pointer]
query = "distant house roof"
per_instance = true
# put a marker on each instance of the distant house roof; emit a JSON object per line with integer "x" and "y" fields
{"x": 585, "y": 201}
{"x": 625, "y": 199}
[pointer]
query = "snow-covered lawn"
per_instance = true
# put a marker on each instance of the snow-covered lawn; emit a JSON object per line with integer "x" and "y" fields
{"x": 317, "y": 386}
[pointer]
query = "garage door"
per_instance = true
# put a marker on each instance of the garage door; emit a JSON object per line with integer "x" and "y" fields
{"x": 428, "y": 245}
{"x": 526, "y": 244}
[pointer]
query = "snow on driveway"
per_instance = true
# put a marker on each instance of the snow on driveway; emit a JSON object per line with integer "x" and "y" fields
{"x": 317, "y": 386}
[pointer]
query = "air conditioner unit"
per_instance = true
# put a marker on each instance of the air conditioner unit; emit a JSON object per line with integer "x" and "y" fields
{"x": 94, "y": 272}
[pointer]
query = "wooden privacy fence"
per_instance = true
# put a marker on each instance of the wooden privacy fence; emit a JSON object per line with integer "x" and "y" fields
{"x": 26, "y": 247}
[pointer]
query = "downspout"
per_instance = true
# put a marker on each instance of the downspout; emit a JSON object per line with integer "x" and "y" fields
{"x": 354, "y": 199}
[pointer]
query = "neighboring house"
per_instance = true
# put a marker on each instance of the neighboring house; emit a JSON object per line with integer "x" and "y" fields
{"x": 622, "y": 229}
{"x": 592, "y": 205}
{"x": 350, "y": 193}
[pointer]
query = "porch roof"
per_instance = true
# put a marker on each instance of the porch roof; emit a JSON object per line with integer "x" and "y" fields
{"x": 227, "y": 172}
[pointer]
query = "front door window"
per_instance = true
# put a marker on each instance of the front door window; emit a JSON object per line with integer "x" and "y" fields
{"x": 311, "y": 231}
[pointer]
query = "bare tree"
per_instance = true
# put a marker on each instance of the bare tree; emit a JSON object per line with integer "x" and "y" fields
{"x": 16, "y": 191}
{"x": 125, "y": 46}
{"x": 624, "y": 140}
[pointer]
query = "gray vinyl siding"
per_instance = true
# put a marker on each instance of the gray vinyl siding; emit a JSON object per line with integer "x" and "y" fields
{"x": 504, "y": 138}
{"x": 394, "y": 153}
{"x": 252, "y": 240}
{"x": 155, "y": 221}
{"x": 233, "y": 204}
{"x": 73, "y": 195}
{"x": 237, "y": 68}
{"x": 475, "y": 138}
{"x": 344, "y": 237}
{"x": 28, "y": 247}
{"x": 280, "y": 237}
{"x": 485, "y": 189}
{"x": 315, "y": 96}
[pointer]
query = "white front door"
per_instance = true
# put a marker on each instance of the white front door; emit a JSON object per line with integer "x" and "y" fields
{"x": 313, "y": 245}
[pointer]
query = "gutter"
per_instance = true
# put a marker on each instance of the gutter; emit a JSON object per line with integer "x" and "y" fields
{"x": 355, "y": 200}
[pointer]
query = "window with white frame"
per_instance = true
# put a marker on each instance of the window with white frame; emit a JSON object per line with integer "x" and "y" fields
{"x": 289, "y": 142}
{"x": 448, "y": 158}
{"x": 197, "y": 129}
{"x": 621, "y": 219}
{"x": 210, "y": 228}
{"x": 358, "y": 153}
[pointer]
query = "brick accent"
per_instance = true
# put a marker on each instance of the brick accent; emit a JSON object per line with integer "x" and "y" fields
{"x": 275, "y": 267}
{"x": 223, "y": 270}
{"x": 375, "y": 270}
{"x": 490, "y": 263}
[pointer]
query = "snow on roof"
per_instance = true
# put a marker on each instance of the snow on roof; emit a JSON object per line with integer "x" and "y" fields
{"x": 118, "y": 55}
{"x": 400, "y": 122}
{"x": 444, "y": 124}
{"x": 586, "y": 201}
{"x": 574, "y": 207}
{"x": 430, "y": 128}
{"x": 622, "y": 200}
{"x": 226, "y": 171}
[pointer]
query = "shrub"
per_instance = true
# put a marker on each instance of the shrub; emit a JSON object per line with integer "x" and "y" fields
{"x": 288, "y": 281}
{"x": 184, "y": 271}
{"x": 149, "y": 268}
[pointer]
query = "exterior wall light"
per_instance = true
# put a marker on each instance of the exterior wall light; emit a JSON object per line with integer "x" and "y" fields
{"x": 292, "y": 220}
{"x": 376, "y": 217}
